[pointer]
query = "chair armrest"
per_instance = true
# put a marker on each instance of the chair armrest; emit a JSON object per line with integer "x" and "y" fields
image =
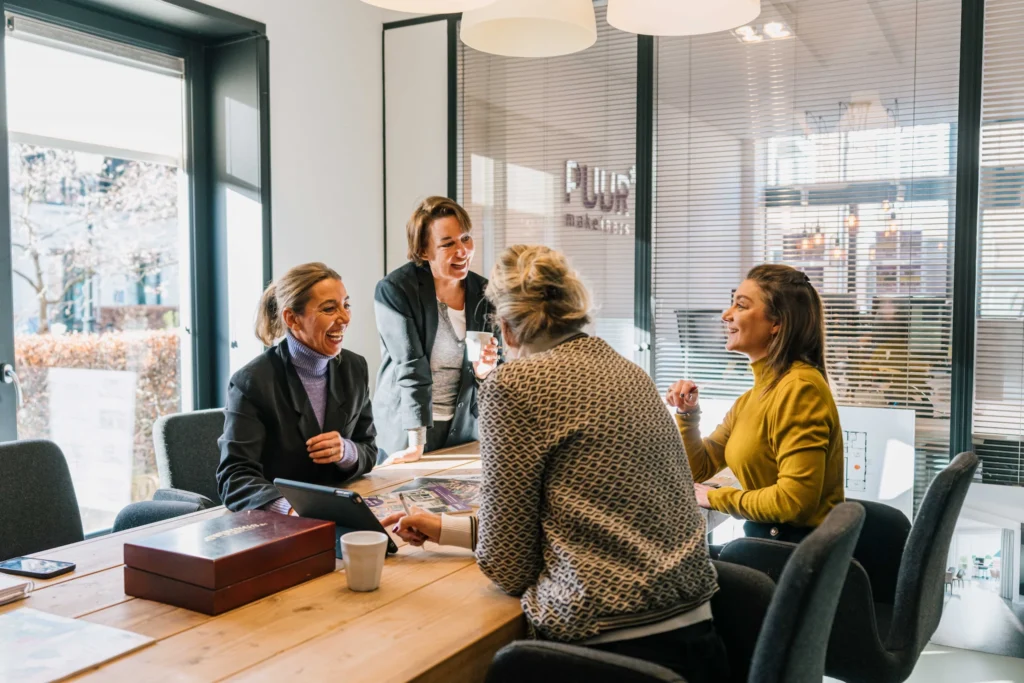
{"x": 541, "y": 661}
{"x": 762, "y": 554}
{"x": 180, "y": 496}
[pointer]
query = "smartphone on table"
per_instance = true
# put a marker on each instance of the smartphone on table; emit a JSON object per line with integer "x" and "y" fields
{"x": 35, "y": 567}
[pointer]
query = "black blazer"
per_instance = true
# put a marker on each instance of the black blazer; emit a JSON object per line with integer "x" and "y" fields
{"x": 406, "y": 306}
{"x": 269, "y": 418}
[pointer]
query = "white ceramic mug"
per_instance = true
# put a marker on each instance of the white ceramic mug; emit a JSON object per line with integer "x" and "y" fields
{"x": 363, "y": 553}
{"x": 475, "y": 343}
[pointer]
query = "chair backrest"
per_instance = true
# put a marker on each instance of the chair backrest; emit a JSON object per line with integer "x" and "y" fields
{"x": 879, "y": 550}
{"x": 920, "y": 587}
{"x": 794, "y": 637}
{"x": 38, "y": 506}
{"x": 187, "y": 454}
{"x": 546, "y": 662}
{"x": 739, "y": 608}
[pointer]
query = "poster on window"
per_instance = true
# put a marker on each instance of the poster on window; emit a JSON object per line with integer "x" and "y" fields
{"x": 92, "y": 419}
{"x": 879, "y": 451}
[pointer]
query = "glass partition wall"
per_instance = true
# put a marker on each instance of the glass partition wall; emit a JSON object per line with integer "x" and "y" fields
{"x": 547, "y": 154}
{"x": 822, "y": 136}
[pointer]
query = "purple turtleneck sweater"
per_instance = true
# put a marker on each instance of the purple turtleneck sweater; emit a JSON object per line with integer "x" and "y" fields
{"x": 312, "y": 368}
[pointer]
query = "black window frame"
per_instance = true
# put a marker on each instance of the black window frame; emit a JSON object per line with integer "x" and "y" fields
{"x": 188, "y": 30}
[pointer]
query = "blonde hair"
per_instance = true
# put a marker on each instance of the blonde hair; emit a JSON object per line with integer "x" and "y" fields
{"x": 417, "y": 230}
{"x": 291, "y": 290}
{"x": 536, "y": 292}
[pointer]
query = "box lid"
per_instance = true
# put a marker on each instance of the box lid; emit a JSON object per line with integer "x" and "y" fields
{"x": 219, "y": 552}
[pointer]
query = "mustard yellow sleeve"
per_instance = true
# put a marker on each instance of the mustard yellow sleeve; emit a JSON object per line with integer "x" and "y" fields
{"x": 799, "y": 426}
{"x": 706, "y": 456}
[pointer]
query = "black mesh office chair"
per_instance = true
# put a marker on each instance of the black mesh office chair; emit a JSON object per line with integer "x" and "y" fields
{"x": 889, "y": 609}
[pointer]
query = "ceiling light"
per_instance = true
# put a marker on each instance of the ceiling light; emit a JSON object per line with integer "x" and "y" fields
{"x": 531, "y": 28}
{"x": 752, "y": 38}
{"x": 429, "y": 6}
{"x": 744, "y": 31}
{"x": 681, "y": 17}
{"x": 776, "y": 30}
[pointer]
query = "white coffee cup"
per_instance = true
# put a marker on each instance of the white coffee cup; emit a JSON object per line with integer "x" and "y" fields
{"x": 475, "y": 343}
{"x": 364, "y": 553}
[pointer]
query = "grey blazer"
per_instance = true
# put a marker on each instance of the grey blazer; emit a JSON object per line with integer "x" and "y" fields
{"x": 268, "y": 419}
{"x": 406, "y": 306}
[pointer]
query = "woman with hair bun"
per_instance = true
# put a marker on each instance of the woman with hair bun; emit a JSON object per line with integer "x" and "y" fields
{"x": 587, "y": 509}
{"x": 301, "y": 410}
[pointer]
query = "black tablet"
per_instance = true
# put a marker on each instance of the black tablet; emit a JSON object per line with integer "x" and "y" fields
{"x": 346, "y": 509}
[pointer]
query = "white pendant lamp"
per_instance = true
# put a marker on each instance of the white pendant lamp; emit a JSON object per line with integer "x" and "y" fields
{"x": 531, "y": 28}
{"x": 429, "y": 6}
{"x": 681, "y": 17}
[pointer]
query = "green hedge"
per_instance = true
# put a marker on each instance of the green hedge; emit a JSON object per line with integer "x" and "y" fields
{"x": 153, "y": 355}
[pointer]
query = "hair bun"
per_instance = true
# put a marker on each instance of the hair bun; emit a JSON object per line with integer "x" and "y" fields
{"x": 552, "y": 292}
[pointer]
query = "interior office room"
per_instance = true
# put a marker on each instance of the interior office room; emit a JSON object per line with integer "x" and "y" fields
{"x": 169, "y": 159}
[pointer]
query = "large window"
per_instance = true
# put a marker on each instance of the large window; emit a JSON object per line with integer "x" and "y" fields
{"x": 822, "y": 136}
{"x": 998, "y": 418}
{"x": 547, "y": 155}
{"x": 99, "y": 250}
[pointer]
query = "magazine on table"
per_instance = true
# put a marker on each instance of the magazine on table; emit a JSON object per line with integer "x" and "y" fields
{"x": 724, "y": 478}
{"x": 38, "y": 647}
{"x": 437, "y": 495}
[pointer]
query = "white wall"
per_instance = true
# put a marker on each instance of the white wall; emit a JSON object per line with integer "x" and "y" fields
{"x": 416, "y": 125}
{"x": 325, "y": 144}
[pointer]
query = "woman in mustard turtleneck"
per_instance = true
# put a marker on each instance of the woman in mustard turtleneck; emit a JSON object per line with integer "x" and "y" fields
{"x": 782, "y": 438}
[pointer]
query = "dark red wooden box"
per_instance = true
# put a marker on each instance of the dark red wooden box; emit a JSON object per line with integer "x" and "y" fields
{"x": 219, "y": 564}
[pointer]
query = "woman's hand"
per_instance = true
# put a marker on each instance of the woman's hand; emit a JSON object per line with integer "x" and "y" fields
{"x": 701, "y": 491}
{"x": 683, "y": 396}
{"x": 326, "y": 448}
{"x": 415, "y": 528}
{"x": 488, "y": 359}
{"x": 410, "y": 454}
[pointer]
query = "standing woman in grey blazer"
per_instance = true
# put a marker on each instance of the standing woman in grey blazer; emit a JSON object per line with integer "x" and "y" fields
{"x": 426, "y": 386}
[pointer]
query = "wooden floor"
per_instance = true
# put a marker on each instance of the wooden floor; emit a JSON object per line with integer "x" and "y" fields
{"x": 434, "y": 618}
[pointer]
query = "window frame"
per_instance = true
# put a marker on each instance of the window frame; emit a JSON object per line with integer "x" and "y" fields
{"x": 207, "y": 28}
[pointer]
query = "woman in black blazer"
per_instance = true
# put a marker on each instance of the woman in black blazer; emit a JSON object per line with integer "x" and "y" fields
{"x": 301, "y": 410}
{"x": 426, "y": 386}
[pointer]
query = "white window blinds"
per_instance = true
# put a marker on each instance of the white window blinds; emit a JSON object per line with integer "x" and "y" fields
{"x": 547, "y": 155}
{"x": 823, "y": 136}
{"x": 998, "y": 413}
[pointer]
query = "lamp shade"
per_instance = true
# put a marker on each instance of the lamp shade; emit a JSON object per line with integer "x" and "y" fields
{"x": 531, "y": 28}
{"x": 429, "y": 6}
{"x": 681, "y": 17}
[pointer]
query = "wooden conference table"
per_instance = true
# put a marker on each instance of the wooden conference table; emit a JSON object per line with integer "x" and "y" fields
{"x": 436, "y": 617}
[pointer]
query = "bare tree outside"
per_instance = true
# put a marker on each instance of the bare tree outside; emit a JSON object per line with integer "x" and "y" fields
{"x": 71, "y": 222}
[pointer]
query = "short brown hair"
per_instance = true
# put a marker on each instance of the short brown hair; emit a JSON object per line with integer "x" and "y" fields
{"x": 792, "y": 302}
{"x": 291, "y": 290}
{"x": 536, "y": 292}
{"x": 417, "y": 230}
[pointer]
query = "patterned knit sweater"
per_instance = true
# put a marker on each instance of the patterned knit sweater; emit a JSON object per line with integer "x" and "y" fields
{"x": 587, "y": 507}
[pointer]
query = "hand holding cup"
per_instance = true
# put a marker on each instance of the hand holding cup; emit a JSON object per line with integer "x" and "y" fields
{"x": 482, "y": 352}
